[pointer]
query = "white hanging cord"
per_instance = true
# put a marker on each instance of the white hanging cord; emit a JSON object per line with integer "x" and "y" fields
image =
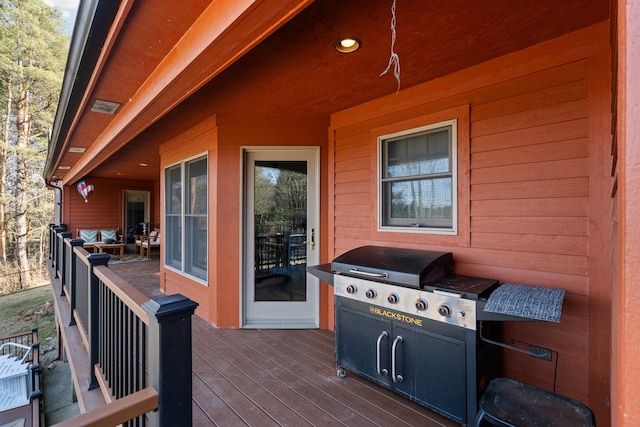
{"x": 394, "y": 59}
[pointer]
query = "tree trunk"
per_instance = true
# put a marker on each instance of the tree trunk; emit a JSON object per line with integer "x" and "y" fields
{"x": 22, "y": 228}
{"x": 3, "y": 175}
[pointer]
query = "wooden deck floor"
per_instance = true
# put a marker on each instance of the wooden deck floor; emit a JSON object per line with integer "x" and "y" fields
{"x": 281, "y": 378}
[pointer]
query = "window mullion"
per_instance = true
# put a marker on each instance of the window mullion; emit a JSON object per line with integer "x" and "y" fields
{"x": 183, "y": 221}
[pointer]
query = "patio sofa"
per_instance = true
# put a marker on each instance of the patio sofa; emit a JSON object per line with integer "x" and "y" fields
{"x": 93, "y": 236}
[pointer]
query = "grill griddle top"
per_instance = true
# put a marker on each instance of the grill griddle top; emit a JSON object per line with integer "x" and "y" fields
{"x": 405, "y": 267}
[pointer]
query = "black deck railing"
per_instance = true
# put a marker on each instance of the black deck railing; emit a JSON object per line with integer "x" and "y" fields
{"x": 133, "y": 343}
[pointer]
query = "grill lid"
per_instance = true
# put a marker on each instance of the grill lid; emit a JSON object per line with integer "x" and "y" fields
{"x": 406, "y": 267}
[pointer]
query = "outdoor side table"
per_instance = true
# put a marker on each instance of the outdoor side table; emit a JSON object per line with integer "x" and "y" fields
{"x": 101, "y": 246}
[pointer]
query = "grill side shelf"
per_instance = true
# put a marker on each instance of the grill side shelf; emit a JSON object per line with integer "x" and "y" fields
{"x": 322, "y": 272}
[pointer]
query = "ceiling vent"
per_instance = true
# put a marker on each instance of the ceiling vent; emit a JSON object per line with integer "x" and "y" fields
{"x": 106, "y": 107}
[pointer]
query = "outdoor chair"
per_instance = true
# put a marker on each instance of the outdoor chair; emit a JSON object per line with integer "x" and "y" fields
{"x": 140, "y": 238}
{"x": 149, "y": 242}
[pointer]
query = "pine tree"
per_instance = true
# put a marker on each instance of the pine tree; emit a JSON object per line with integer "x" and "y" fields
{"x": 32, "y": 59}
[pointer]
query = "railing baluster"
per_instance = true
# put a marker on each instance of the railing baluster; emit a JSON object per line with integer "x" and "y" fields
{"x": 73, "y": 278}
{"x": 66, "y": 256}
{"x": 112, "y": 336}
{"x": 82, "y": 294}
{"x": 118, "y": 350}
{"x": 94, "y": 315}
{"x": 130, "y": 354}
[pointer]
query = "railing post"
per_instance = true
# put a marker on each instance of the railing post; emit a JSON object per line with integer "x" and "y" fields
{"x": 93, "y": 328}
{"x": 51, "y": 237}
{"x": 170, "y": 358}
{"x": 65, "y": 266}
{"x": 56, "y": 251}
{"x": 53, "y": 229}
{"x": 73, "y": 279}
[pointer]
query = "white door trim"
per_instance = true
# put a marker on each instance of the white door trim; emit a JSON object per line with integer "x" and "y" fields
{"x": 311, "y": 313}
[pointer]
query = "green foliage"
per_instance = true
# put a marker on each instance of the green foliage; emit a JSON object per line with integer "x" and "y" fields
{"x": 280, "y": 200}
{"x": 33, "y": 50}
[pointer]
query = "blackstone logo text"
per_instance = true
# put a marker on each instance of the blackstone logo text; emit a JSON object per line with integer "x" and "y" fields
{"x": 395, "y": 316}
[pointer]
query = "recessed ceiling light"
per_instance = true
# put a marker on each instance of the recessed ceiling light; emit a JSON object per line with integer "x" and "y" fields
{"x": 107, "y": 107}
{"x": 347, "y": 45}
{"x": 144, "y": 165}
{"x": 77, "y": 149}
{"x": 64, "y": 167}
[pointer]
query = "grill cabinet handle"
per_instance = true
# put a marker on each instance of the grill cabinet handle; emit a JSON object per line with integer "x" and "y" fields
{"x": 368, "y": 273}
{"x": 394, "y": 377}
{"x": 384, "y": 334}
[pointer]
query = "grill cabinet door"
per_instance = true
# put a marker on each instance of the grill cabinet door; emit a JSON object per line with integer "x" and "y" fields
{"x": 357, "y": 335}
{"x": 433, "y": 370}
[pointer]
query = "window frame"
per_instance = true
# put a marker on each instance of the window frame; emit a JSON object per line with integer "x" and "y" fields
{"x": 185, "y": 267}
{"x": 408, "y": 225}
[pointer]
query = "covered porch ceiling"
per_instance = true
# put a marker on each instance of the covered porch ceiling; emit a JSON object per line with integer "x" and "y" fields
{"x": 278, "y": 56}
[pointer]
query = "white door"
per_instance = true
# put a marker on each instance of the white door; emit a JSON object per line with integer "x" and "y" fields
{"x": 281, "y": 238}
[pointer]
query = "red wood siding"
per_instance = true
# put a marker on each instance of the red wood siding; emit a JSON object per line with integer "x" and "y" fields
{"x": 223, "y": 138}
{"x": 537, "y": 191}
{"x": 104, "y": 208}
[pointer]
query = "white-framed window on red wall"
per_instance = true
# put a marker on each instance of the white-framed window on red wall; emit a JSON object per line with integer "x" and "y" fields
{"x": 186, "y": 217}
{"x": 418, "y": 179}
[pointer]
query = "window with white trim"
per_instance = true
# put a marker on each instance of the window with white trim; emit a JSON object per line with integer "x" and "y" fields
{"x": 418, "y": 185}
{"x": 186, "y": 217}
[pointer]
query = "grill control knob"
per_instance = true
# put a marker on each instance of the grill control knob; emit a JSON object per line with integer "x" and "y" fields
{"x": 422, "y": 304}
{"x": 444, "y": 310}
{"x": 393, "y": 298}
{"x": 352, "y": 289}
{"x": 371, "y": 293}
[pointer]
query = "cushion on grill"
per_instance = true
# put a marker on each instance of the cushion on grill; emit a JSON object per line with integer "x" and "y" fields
{"x": 532, "y": 302}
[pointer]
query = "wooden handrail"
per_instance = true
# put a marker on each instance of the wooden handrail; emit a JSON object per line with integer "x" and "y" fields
{"x": 117, "y": 412}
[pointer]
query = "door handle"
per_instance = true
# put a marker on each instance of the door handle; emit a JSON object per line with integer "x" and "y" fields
{"x": 312, "y": 242}
{"x": 396, "y": 378}
{"x": 381, "y": 372}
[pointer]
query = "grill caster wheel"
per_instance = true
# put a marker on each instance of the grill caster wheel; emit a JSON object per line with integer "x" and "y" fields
{"x": 341, "y": 372}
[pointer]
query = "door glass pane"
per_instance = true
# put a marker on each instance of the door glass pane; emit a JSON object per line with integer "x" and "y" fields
{"x": 280, "y": 224}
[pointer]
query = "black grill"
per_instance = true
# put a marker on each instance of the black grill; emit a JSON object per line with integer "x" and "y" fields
{"x": 404, "y": 321}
